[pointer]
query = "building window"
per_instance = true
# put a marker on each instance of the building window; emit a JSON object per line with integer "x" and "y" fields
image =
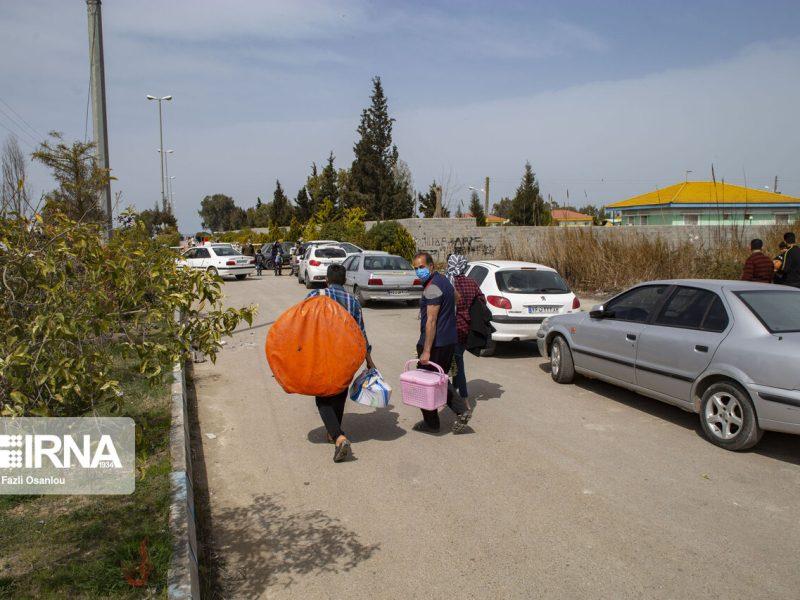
{"x": 726, "y": 216}
{"x": 748, "y": 217}
{"x": 781, "y": 219}
{"x": 691, "y": 219}
{"x": 643, "y": 220}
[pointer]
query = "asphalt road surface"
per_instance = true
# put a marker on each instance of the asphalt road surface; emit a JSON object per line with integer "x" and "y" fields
{"x": 579, "y": 491}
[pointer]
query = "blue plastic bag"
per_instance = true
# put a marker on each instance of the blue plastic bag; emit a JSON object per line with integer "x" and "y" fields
{"x": 370, "y": 389}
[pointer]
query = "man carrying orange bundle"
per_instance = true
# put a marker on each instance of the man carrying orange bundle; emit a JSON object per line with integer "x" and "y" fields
{"x": 331, "y": 408}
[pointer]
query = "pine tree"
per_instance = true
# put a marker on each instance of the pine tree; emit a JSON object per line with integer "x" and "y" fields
{"x": 427, "y": 202}
{"x": 329, "y": 188}
{"x": 528, "y": 207}
{"x": 280, "y": 211}
{"x": 476, "y": 208}
{"x": 377, "y": 186}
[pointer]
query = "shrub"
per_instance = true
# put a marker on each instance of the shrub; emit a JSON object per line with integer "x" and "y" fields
{"x": 391, "y": 237}
{"x": 72, "y": 304}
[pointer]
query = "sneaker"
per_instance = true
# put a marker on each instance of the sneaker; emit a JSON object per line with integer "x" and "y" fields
{"x": 461, "y": 421}
{"x": 341, "y": 452}
{"x": 423, "y": 427}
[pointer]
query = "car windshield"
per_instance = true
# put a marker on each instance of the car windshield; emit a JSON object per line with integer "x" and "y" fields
{"x": 330, "y": 253}
{"x": 778, "y": 310}
{"x": 530, "y": 281}
{"x": 386, "y": 263}
{"x": 224, "y": 251}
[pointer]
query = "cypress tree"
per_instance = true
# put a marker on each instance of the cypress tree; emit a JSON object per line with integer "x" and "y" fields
{"x": 280, "y": 211}
{"x": 528, "y": 207}
{"x": 476, "y": 209}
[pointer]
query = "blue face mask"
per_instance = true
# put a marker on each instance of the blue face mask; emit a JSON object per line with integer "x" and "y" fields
{"x": 423, "y": 273}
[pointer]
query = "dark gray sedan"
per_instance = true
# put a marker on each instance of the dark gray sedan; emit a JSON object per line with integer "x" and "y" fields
{"x": 727, "y": 350}
{"x": 376, "y": 275}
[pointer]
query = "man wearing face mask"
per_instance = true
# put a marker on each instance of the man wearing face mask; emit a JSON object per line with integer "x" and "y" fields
{"x": 438, "y": 338}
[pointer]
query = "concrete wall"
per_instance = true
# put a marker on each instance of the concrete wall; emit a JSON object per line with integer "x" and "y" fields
{"x": 442, "y": 237}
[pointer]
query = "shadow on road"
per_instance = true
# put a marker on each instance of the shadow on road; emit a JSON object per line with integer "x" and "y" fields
{"x": 779, "y": 446}
{"x": 264, "y": 544}
{"x": 526, "y": 349}
{"x": 381, "y": 425}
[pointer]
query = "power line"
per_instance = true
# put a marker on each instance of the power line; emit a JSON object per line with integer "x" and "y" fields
{"x": 15, "y": 134}
{"x": 21, "y": 118}
{"x": 18, "y": 130}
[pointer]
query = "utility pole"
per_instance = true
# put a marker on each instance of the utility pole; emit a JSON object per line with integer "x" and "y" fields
{"x": 97, "y": 81}
{"x": 775, "y": 187}
{"x": 161, "y": 145}
{"x": 438, "y": 212}
{"x": 486, "y": 190}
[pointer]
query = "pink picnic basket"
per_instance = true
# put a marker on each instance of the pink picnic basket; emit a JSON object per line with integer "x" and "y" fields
{"x": 423, "y": 389}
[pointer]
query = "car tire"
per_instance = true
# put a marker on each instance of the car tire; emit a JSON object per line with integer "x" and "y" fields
{"x": 359, "y": 297}
{"x": 728, "y": 417}
{"x": 562, "y": 367}
{"x": 212, "y": 271}
{"x": 490, "y": 349}
{"x": 241, "y": 277}
{"x": 309, "y": 284}
{"x": 300, "y": 279}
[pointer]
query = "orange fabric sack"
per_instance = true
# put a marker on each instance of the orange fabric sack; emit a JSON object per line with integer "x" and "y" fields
{"x": 315, "y": 348}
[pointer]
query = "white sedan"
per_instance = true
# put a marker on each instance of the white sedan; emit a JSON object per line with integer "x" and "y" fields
{"x": 219, "y": 259}
{"x": 520, "y": 295}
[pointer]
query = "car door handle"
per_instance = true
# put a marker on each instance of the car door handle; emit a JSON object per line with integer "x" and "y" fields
{"x": 701, "y": 348}
{"x": 631, "y": 337}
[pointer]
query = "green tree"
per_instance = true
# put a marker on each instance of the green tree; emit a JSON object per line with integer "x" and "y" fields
{"x": 528, "y": 207}
{"x": 598, "y": 213}
{"x": 476, "y": 209}
{"x": 376, "y": 185}
{"x": 329, "y": 185}
{"x": 215, "y": 211}
{"x": 503, "y": 208}
{"x": 303, "y": 205}
{"x": 393, "y": 238}
{"x": 280, "y": 210}
{"x": 80, "y": 180}
{"x": 157, "y": 221}
{"x": 258, "y": 215}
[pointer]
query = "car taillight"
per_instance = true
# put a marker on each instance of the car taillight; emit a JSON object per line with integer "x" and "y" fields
{"x": 314, "y": 263}
{"x": 231, "y": 263}
{"x": 252, "y": 262}
{"x": 375, "y": 281}
{"x": 417, "y": 282}
{"x": 576, "y": 304}
{"x": 499, "y": 302}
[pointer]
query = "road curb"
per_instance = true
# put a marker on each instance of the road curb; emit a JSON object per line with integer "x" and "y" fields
{"x": 183, "y": 578}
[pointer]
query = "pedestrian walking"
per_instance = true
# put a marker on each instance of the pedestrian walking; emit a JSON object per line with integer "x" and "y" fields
{"x": 438, "y": 338}
{"x": 791, "y": 261}
{"x": 331, "y": 408}
{"x": 260, "y": 260}
{"x": 467, "y": 292}
{"x": 758, "y": 266}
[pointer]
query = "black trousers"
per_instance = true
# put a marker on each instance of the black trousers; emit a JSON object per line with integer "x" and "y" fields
{"x": 442, "y": 356}
{"x": 331, "y": 409}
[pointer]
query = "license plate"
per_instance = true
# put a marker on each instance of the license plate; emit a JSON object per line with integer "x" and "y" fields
{"x": 542, "y": 308}
{"x": 396, "y": 292}
{"x": 242, "y": 262}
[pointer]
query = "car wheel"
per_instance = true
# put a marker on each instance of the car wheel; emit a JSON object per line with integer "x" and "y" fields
{"x": 490, "y": 349}
{"x": 212, "y": 271}
{"x": 562, "y": 367}
{"x": 240, "y": 277}
{"x": 412, "y": 302}
{"x": 299, "y": 278}
{"x": 728, "y": 417}
{"x": 309, "y": 284}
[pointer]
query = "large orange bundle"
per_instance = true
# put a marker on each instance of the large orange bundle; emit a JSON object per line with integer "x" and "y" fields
{"x": 315, "y": 348}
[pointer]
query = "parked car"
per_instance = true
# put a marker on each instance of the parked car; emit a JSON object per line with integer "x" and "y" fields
{"x": 520, "y": 295}
{"x": 350, "y": 249}
{"x": 375, "y": 275}
{"x": 306, "y": 247}
{"x": 726, "y": 350}
{"x": 219, "y": 259}
{"x": 314, "y": 266}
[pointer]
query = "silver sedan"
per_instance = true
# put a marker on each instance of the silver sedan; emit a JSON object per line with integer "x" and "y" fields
{"x": 376, "y": 275}
{"x": 727, "y": 350}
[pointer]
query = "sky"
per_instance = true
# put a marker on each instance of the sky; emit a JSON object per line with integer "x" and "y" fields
{"x": 605, "y": 99}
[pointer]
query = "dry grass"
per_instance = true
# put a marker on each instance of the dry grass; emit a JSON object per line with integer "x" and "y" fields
{"x": 598, "y": 261}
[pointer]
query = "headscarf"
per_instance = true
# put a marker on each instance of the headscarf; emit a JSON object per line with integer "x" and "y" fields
{"x": 456, "y": 266}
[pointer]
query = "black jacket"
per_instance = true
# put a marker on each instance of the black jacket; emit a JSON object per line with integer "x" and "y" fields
{"x": 480, "y": 327}
{"x": 791, "y": 267}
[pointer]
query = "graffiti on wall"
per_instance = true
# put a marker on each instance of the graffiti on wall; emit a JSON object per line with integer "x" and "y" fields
{"x": 468, "y": 245}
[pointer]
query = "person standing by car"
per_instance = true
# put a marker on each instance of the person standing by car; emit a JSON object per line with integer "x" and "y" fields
{"x": 331, "y": 408}
{"x": 467, "y": 292}
{"x": 758, "y": 266}
{"x": 278, "y": 259}
{"x": 791, "y": 261}
{"x": 438, "y": 338}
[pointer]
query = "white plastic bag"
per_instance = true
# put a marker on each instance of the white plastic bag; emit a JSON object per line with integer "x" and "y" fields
{"x": 370, "y": 389}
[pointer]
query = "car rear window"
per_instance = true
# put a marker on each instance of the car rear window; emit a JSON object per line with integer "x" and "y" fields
{"x": 224, "y": 251}
{"x": 778, "y": 310}
{"x": 530, "y": 281}
{"x": 330, "y": 253}
{"x": 386, "y": 263}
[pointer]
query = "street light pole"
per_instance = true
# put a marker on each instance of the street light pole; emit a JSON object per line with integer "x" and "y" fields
{"x": 161, "y": 140}
{"x": 171, "y": 200}
{"x": 166, "y": 178}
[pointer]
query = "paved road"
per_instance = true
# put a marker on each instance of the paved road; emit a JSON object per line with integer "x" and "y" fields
{"x": 582, "y": 491}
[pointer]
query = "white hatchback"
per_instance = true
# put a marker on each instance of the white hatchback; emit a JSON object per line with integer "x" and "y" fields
{"x": 219, "y": 259}
{"x": 314, "y": 267}
{"x": 520, "y": 296}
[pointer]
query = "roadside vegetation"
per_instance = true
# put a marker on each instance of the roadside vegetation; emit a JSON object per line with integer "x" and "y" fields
{"x": 598, "y": 264}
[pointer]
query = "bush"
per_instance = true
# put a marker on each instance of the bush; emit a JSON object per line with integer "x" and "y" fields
{"x": 391, "y": 237}
{"x": 72, "y": 304}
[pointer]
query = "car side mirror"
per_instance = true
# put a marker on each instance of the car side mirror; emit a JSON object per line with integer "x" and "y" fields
{"x": 599, "y": 312}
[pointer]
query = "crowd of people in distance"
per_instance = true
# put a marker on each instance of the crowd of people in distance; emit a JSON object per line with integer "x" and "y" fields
{"x": 783, "y": 269}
